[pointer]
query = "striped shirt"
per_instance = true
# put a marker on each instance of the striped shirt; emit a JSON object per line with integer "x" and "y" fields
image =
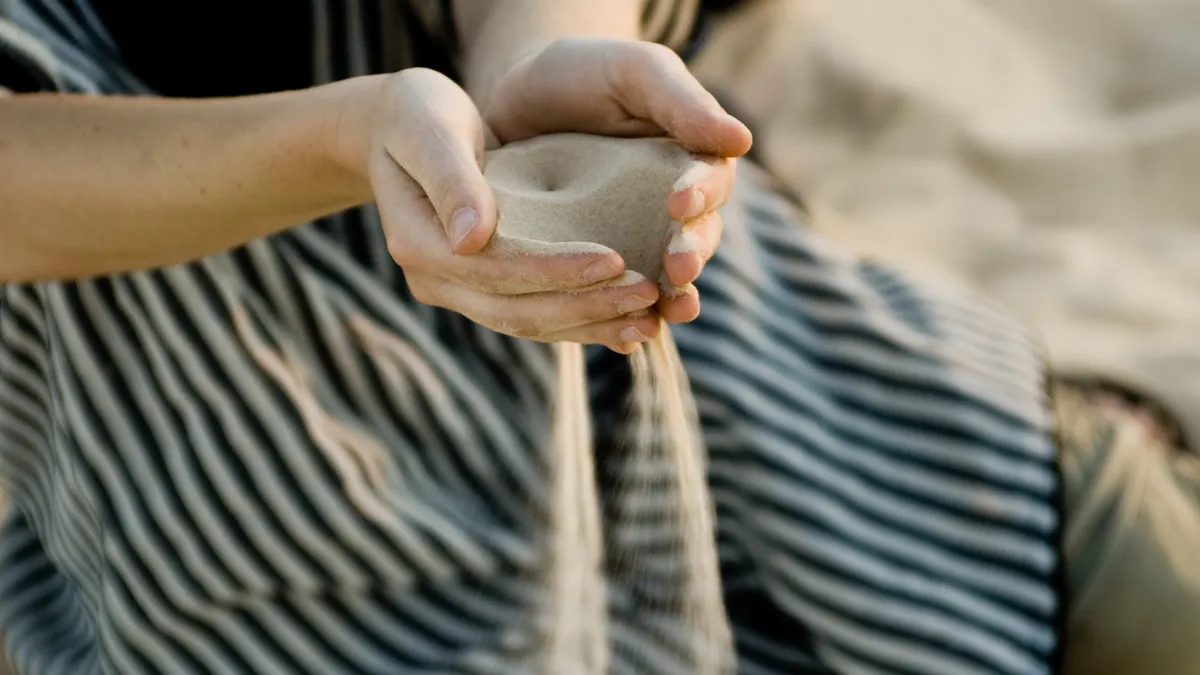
{"x": 173, "y": 444}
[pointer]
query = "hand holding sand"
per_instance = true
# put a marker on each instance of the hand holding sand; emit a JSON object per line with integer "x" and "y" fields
{"x": 439, "y": 215}
{"x": 423, "y": 142}
{"x": 585, "y": 192}
{"x": 628, "y": 88}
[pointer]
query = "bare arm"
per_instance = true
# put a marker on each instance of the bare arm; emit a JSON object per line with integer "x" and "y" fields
{"x": 95, "y": 185}
{"x": 496, "y": 35}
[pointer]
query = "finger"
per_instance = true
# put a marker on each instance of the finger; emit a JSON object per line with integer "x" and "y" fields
{"x": 442, "y": 148}
{"x": 510, "y": 266}
{"x": 680, "y": 306}
{"x": 631, "y": 329}
{"x": 690, "y": 246}
{"x": 538, "y": 314}
{"x": 417, "y": 243}
{"x": 653, "y": 83}
{"x": 703, "y": 188}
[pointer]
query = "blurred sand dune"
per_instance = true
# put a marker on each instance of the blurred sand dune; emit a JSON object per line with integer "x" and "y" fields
{"x": 1046, "y": 152}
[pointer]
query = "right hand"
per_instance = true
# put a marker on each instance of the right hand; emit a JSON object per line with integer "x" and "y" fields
{"x": 422, "y": 150}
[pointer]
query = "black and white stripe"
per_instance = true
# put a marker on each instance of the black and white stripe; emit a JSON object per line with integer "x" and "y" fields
{"x": 173, "y": 444}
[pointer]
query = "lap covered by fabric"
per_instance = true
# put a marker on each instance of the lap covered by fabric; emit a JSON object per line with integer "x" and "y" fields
{"x": 1131, "y": 543}
{"x": 178, "y": 448}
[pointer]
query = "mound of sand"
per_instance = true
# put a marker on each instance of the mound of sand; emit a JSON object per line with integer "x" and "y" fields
{"x": 589, "y": 190}
{"x": 1045, "y": 152}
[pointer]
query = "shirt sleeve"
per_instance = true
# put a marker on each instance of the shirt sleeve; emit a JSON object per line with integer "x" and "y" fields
{"x": 437, "y": 19}
{"x": 52, "y": 45}
{"x": 672, "y": 23}
{"x": 26, "y": 66}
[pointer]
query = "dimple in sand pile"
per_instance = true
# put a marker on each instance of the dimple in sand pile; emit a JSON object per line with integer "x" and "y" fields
{"x": 604, "y": 192}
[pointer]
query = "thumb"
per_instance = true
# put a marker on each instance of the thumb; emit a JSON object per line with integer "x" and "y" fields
{"x": 653, "y": 83}
{"x": 442, "y": 150}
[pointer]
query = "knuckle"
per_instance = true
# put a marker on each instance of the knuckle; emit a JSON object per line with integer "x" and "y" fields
{"x": 505, "y": 317}
{"x": 711, "y": 225}
{"x": 597, "y": 311}
{"x": 587, "y": 306}
{"x": 561, "y": 46}
{"x": 651, "y": 51}
{"x": 445, "y": 192}
{"x": 425, "y": 291}
{"x": 401, "y": 254}
{"x": 479, "y": 277}
{"x": 650, "y": 328}
{"x": 630, "y": 62}
{"x": 420, "y": 293}
{"x": 412, "y": 78}
{"x": 401, "y": 82}
{"x": 712, "y": 239}
{"x": 398, "y": 253}
{"x": 640, "y": 66}
{"x": 517, "y": 328}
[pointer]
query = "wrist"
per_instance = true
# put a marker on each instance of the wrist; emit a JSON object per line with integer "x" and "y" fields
{"x": 496, "y": 36}
{"x": 349, "y": 114}
{"x": 484, "y": 74}
{"x": 484, "y": 87}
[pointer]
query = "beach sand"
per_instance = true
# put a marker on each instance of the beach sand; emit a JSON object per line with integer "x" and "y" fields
{"x": 588, "y": 190}
{"x": 1045, "y": 153}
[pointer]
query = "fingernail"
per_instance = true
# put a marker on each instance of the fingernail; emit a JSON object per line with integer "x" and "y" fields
{"x": 634, "y": 303}
{"x": 601, "y": 271}
{"x": 631, "y": 334}
{"x": 695, "y": 206}
{"x": 464, "y": 220}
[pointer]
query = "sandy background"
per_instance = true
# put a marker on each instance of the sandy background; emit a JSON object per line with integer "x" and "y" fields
{"x": 1047, "y": 152}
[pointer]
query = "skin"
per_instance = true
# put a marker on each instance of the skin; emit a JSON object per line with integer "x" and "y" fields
{"x": 102, "y": 185}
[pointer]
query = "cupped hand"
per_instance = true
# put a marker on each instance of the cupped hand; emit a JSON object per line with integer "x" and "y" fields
{"x": 423, "y": 153}
{"x": 629, "y": 88}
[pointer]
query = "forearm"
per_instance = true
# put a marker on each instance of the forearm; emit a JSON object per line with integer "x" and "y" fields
{"x": 496, "y": 35}
{"x": 95, "y": 185}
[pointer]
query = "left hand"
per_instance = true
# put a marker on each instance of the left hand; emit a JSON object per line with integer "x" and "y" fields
{"x": 630, "y": 88}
